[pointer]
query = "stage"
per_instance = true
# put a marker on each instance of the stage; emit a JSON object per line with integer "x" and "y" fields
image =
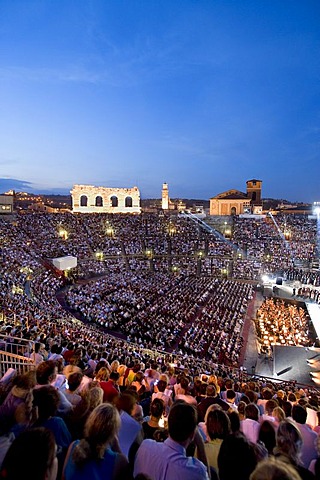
{"x": 290, "y": 364}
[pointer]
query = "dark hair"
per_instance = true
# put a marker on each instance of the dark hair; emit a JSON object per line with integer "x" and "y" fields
{"x": 236, "y": 458}
{"x": 44, "y": 371}
{"x": 161, "y": 385}
{"x": 157, "y": 407}
{"x": 218, "y": 424}
{"x": 234, "y": 421}
{"x": 126, "y": 401}
{"x": 74, "y": 381}
{"x": 47, "y": 400}
{"x": 252, "y": 411}
{"x": 230, "y": 394}
{"x": 287, "y": 408}
{"x": 251, "y": 395}
{"x": 182, "y": 421}
{"x": 228, "y": 383}
{"x": 267, "y": 394}
{"x": 270, "y": 406}
{"x": 114, "y": 376}
{"x": 267, "y": 435}
{"x": 30, "y": 455}
{"x": 299, "y": 414}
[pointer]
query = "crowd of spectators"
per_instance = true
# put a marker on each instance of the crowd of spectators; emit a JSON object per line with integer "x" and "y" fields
{"x": 150, "y": 419}
{"x": 162, "y": 319}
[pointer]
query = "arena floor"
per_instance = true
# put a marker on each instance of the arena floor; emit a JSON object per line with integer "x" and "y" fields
{"x": 287, "y": 363}
{"x": 290, "y": 363}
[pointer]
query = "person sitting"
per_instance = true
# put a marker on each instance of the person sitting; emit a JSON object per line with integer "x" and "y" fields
{"x": 236, "y": 458}
{"x": 157, "y": 409}
{"x": 168, "y": 460}
{"x": 218, "y": 428}
{"x": 269, "y": 406}
{"x": 267, "y": 435}
{"x": 21, "y": 393}
{"x": 161, "y": 393}
{"x": 46, "y": 373}
{"x": 46, "y": 400}
{"x": 210, "y": 399}
{"x": 92, "y": 456}
{"x": 250, "y": 425}
{"x": 288, "y": 447}
{"x": 309, "y": 437}
{"x": 74, "y": 382}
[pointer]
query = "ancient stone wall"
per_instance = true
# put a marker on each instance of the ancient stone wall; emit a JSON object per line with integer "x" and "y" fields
{"x": 91, "y": 199}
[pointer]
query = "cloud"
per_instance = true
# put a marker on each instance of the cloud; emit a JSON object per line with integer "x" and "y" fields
{"x": 14, "y": 184}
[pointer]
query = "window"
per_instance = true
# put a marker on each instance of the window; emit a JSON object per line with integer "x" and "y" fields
{"x": 128, "y": 202}
{"x": 99, "y": 201}
{"x": 83, "y": 201}
{"x": 114, "y": 201}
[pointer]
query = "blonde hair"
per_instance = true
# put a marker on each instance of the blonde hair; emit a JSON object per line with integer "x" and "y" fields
{"x": 274, "y": 469}
{"x": 115, "y": 366}
{"x": 278, "y": 414}
{"x": 100, "y": 429}
{"x": 95, "y": 397}
{"x": 103, "y": 374}
{"x": 212, "y": 380}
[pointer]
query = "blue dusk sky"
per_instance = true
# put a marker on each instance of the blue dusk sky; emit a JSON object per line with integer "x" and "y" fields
{"x": 201, "y": 94}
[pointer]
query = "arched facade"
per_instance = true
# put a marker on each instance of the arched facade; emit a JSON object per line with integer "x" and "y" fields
{"x": 90, "y": 199}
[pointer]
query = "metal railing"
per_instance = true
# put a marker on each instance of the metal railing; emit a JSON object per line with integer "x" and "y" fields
{"x": 19, "y": 363}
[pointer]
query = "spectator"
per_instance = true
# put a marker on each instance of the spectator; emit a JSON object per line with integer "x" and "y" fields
{"x": 31, "y": 455}
{"x": 168, "y": 460}
{"x": 92, "y": 456}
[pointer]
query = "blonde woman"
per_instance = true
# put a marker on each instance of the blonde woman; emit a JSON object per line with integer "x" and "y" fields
{"x": 213, "y": 380}
{"x": 92, "y": 457}
{"x": 278, "y": 415}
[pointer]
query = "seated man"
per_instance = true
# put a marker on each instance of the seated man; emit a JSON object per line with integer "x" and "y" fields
{"x": 168, "y": 460}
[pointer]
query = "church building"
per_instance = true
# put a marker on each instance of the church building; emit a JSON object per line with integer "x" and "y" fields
{"x": 234, "y": 202}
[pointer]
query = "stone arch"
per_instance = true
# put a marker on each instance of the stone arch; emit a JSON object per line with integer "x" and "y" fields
{"x": 128, "y": 202}
{"x": 83, "y": 201}
{"x": 99, "y": 201}
{"x": 233, "y": 211}
{"x": 114, "y": 201}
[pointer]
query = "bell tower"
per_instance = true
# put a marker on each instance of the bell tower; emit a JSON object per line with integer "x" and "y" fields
{"x": 165, "y": 197}
{"x": 254, "y": 188}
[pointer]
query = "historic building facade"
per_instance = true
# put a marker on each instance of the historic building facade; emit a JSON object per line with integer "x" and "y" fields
{"x": 234, "y": 202}
{"x": 90, "y": 199}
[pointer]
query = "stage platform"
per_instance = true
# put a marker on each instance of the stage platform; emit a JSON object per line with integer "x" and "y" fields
{"x": 290, "y": 364}
{"x": 287, "y": 363}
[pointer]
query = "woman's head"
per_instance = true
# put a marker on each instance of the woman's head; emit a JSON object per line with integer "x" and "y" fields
{"x": 218, "y": 424}
{"x": 103, "y": 374}
{"x": 278, "y": 414}
{"x": 157, "y": 408}
{"x": 95, "y": 397}
{"x": 102, "y": 424}
{"x": 289, "y": 440}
